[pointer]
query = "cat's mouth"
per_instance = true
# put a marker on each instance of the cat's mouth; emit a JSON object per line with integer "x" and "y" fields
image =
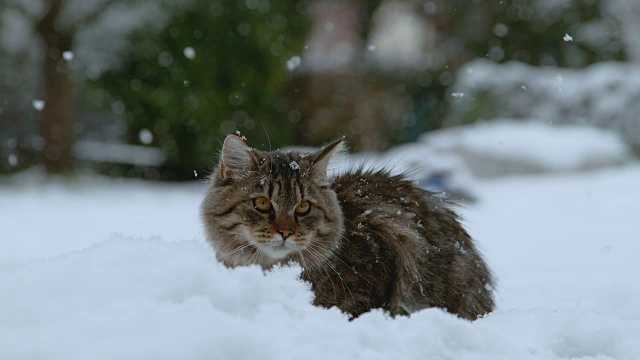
{"x": 275, "y": 248}
{"x": 278, "y": 249}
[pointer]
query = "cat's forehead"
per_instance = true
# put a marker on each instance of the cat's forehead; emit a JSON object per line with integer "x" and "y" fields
{"x": 283, "y": 163}
{"x": 282, "y": 173}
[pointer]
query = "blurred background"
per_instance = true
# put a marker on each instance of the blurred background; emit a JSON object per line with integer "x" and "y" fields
{"x": 149, "y": 88}
{"x": 112, "y": 114}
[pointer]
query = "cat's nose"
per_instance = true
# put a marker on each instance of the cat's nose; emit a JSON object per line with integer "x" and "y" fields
{"x": 285, "y": 233}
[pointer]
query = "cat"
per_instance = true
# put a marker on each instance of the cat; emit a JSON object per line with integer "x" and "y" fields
{"x": 365, "y": 239}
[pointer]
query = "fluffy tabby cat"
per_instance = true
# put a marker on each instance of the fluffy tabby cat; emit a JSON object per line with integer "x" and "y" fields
{"x": 365, "y": 239}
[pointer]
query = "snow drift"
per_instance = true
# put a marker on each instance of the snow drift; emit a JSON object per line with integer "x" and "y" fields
{"x": 151, "y": 299}
{"x": 100, "y": 269}
{"x": 603, "y": 95}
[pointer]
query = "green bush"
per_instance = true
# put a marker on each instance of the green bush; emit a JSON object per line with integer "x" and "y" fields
{"x": 218, "y": 67}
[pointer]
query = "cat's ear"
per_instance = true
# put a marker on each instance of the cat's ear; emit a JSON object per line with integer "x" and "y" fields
{"x": 321, "y": 158}
{"x": 236, "y": 157}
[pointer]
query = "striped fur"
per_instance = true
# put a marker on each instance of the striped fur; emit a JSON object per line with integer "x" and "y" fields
{"x": 370, "y": 240}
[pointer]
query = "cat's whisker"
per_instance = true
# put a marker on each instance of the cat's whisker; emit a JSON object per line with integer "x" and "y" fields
{"x": 324, "y": 247}
{"x": 254, "y": 256}
{"x": 266, "y": 133}
{"x": 315, "y": 266}
{"x": 320, "y": 264}
{"x": 325, "y": 258}
{"x": 301, "y": 256}
{"x": 240, "y": 248}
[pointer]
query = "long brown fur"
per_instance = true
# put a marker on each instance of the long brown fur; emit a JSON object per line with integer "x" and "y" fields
{"x": 371, "y": 240}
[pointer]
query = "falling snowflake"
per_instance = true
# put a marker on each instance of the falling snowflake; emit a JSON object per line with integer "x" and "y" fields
{"x": 146, "y": 136}
{"x": 67, "y": 55}
{"x": 12, "y": 159}
{"x": 189, "y": 53}
{"x": 294, "y": 63}
{"x": 567, "y": 38}
{"x": 38, "y": 104}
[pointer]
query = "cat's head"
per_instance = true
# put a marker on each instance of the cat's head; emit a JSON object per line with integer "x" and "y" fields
{"x": 267, "y": 208}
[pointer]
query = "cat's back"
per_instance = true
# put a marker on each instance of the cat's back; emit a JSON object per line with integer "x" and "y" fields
{"x": 413, "y": 234}
{"x": 377, "y": 198}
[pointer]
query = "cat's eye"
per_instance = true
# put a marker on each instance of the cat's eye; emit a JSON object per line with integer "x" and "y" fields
{"x": 262, "y": 204}
{"x": 303, "y": 208}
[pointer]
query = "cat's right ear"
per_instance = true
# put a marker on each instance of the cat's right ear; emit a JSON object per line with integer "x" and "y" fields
{"x": 236, "y": 157}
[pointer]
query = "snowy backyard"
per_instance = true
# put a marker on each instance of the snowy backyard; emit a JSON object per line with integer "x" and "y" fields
{"x": 525, "y": 112}
{"x": 96, "y": 268}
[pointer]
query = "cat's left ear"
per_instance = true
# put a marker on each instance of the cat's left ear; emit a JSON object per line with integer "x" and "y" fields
{"x": 321, "y": 158}
{"x": 236, "y": 158}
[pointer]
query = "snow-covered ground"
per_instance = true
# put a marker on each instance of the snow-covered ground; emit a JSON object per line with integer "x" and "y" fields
{"x": 109, "y": 269}
{"x": 604, "y": 94}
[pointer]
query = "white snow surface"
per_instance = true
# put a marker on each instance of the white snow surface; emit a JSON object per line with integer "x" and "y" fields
{"x": 94, "y": 268}
{"x": 506, "y": 146}
{"x": 603, "y": 95}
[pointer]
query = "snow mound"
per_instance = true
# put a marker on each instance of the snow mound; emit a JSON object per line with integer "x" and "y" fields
{"x": 129, "y": 298}
{"x": 507, "y": 147}
{"x": 603, "y": 95}
{"x": 458, "y": 156}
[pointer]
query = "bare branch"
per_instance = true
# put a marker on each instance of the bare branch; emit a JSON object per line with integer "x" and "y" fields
{"x": 46, "y": 25}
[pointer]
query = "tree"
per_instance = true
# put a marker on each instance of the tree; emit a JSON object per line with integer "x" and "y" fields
{"x": 218, "y": 67}
{"x": 58, "y": 24}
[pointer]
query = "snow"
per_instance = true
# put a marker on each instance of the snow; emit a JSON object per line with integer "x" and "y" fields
{"x": 603, "y": 95}
{"x": 38, "y": 104}
{"x": 567, "y": 38}
{"x": 145, "y": 136}
{"x": 626, "y": 12}
{"x": 118, "y": 153}
{"x": 67, "y": 55}
{"x": 505, "y": 146}
{"x": 189, "y": 53}
{"x": 293, "y": 63}
{"x": 114, "y": 269}
{"x": 452, "y": 159}
{"x": 12, "y": 159}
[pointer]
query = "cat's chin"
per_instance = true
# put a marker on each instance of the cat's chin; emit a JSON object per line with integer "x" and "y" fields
{"x": 279, "y": 251}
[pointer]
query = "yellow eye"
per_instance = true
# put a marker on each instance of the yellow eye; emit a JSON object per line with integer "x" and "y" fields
{"x": 262, "y": 204}
{"x": 303, "y": 208}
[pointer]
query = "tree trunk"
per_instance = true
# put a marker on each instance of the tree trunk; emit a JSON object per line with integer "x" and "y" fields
{"x": 56, "y": 121}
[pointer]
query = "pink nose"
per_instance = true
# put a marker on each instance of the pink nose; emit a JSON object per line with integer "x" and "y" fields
{"x": 285, "y": 233}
